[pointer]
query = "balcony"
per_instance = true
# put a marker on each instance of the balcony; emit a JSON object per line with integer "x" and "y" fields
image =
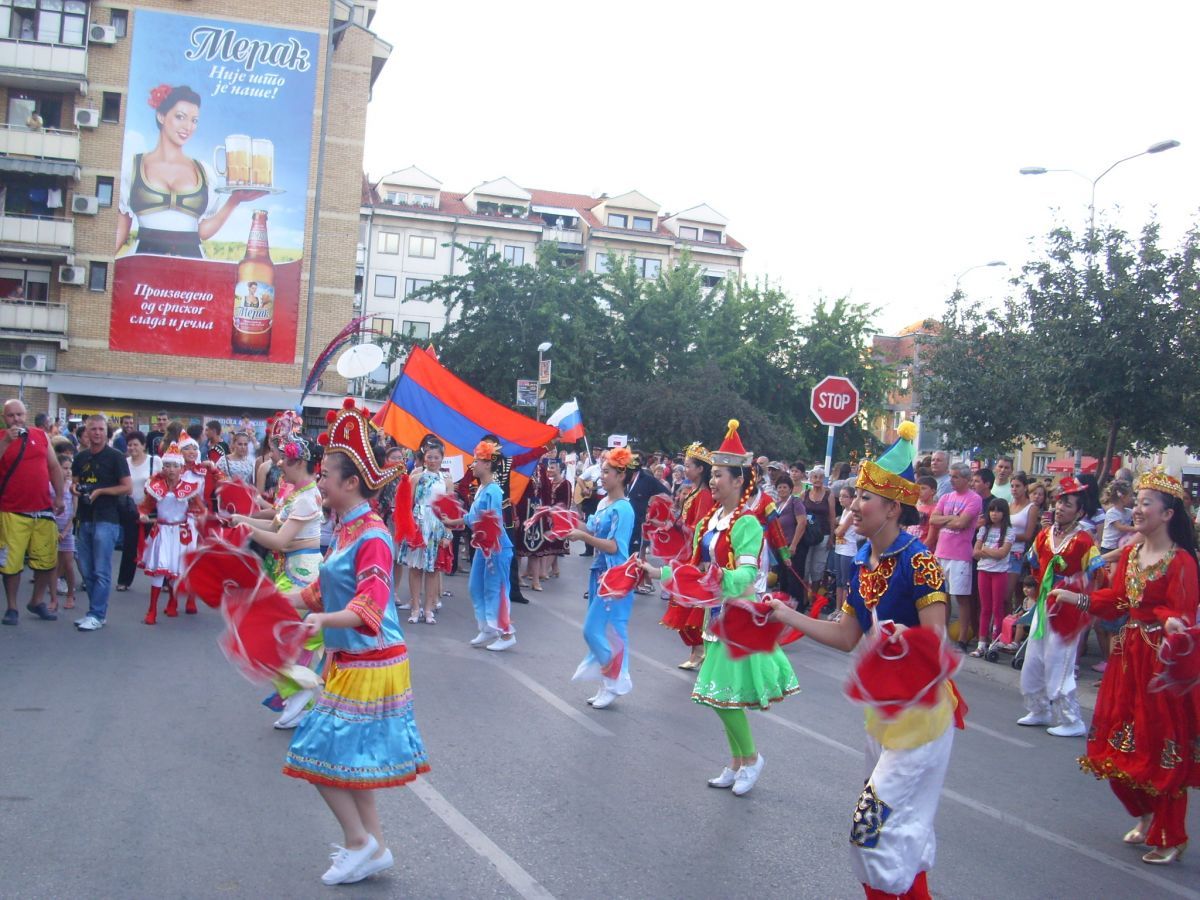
{"x": 44, "y": 143}
{"x": 37, "y": 236}
{"x": 33, "y": 317}
{"x": 43, "y": 67}
{"x": 566, "y": 238}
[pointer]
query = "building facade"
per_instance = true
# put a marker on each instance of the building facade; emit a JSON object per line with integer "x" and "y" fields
{"x": 103, "y": 304}
{"x": 903, "y": 353}
{"x": 409, "y": 227}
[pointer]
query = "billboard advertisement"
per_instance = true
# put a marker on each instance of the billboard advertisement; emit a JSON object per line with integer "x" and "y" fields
{"x": 213, "y": 189}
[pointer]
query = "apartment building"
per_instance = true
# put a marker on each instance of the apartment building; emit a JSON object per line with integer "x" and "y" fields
{"x": 410, "y": 224}
{"x": 902, "y": 351}
{"x": 148, "y": 151}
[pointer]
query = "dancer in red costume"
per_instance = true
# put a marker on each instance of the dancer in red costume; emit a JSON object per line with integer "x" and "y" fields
{"x": 696, "y": 504}
{"x": 1146, "y": 742}
{"x": 173, "y": 503}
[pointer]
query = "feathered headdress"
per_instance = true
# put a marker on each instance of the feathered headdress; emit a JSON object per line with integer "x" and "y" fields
{"x": 340, "y": 340}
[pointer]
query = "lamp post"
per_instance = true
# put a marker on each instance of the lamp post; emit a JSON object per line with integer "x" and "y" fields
{"x": 543, "y": 347}
{"x": 1159, "y": 147}
{"x": 959, "y": 277}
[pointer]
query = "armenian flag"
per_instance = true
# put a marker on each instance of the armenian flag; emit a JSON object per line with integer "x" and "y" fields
{"x": 429, "y": 399}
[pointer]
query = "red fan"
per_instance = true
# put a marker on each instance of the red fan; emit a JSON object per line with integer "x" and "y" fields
{"x": 900, "y": 669}
{"x": 234, "y": 498}
{"x": 745, "y": 627}
{"x": 1067, "y": 619}
{"x": 660, "y": 511}
{"x": 666, "y": 541}
{"x": 445, "y": 559}
{"x": 486, "y": 532}
{"x": 688, "y": 587}
{"x": 216, "y": 565}
{"x": 404, "y": 526}
{"x": 1180, "y": 656}
{"x": 557, "y": 521}
{"x": 263, "y": 632}
{"x": 447, "y": 505}
{"x": 618, "y": 581}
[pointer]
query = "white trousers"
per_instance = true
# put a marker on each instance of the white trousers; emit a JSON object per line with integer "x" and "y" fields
{"x": 891, "y": 833}
{"x": 1048, "y": 678}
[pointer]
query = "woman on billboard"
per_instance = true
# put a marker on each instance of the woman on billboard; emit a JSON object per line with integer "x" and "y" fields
{"x": 172, "y": 195}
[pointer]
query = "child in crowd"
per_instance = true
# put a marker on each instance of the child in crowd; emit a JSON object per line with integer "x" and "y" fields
{"x": 845, "y": 546}
{"x": 66, "y": 538}
{"x": 1118, "y": 516}
{"x": 993, "y": 542}
{"x": 1011, "y": 634}
{"x": 926, "y": 502}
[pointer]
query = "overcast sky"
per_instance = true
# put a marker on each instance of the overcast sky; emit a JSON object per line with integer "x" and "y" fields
{"x": 868, "y": 149}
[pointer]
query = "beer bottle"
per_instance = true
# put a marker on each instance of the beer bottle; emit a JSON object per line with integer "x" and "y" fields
{"x": 254, "y": 294}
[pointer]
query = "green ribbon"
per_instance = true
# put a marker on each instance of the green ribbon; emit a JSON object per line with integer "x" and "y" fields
{"x": 1056, "y": 565}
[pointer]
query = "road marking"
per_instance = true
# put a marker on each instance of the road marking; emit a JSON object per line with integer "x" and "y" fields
{"x": 509, "y": 869}
{"x": 987, "y": 810}
{"x": 553, "y": 699}
{"x": 999, "y": 735}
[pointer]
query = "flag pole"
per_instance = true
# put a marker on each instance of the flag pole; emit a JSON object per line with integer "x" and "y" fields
{"x": 585, "y": 440}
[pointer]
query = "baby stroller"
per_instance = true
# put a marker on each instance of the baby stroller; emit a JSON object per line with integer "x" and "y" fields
{"x": 992, "y": 654}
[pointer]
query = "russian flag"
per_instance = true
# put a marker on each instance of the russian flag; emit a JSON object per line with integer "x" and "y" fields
{"x": 429, "y": 399}
{"x": 568, "y": 421}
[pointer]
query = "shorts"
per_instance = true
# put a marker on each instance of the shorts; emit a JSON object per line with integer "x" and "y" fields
{"x": 1016, "y": 562}
{"x": 958, "y": 576}
{"x": 845, "y": 568}
{"x": 27, "y": 537}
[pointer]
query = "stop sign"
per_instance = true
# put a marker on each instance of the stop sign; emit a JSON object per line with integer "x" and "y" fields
{"x": 834, "y": 400}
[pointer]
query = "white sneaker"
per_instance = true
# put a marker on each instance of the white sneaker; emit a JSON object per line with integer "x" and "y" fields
{"x": 1033, "y": 719}
{"x": 1077, "y": 729}
{"x": 61, "y": 585}
{"x": 592, "y": 699}
{"x": 725, "y": 780}
{"x": 603, "y": 699}
{"x": 373, "y": 866}
{"x": 504, "y": 643}
{"x": 294, "y": 709}
{"x": 90, "y": 623}
{"x": 484, "y": 637}
{"x": 81, "y": 619}
{"x": 345, "y": 861}
{"x": 746, "y": 776}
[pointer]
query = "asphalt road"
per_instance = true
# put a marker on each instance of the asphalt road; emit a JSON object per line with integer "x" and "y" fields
{"x": 135, "y": 762}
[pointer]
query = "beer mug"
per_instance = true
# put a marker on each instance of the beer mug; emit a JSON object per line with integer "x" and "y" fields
{"x": 262, "y": 165}
{"x": 237, "y": 152}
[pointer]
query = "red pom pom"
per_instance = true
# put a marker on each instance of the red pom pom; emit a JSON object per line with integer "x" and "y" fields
{"x": 270, "y": 421}
{"x": 323, "y": 438}
{"x": 330, "y": 416}
{"x": 348, "y": 403}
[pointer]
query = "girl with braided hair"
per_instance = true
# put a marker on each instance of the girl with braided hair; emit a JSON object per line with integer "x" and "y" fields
{"x": 731, "y": 537}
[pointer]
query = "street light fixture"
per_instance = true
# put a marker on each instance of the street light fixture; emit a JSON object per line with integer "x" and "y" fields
{"x": 958, "y": 278}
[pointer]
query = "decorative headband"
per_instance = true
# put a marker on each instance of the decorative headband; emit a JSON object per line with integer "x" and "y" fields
{"x": 878, "y": 480}
{"x": 1158, "y": 480}
{"x": 349, "y": 432}
{"x": 696, "y": 450}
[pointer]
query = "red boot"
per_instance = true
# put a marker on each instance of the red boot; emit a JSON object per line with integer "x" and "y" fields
{"x": 172, "y": 609}
{"x": 152, "y": 612}
{"x": 190, "y": 607}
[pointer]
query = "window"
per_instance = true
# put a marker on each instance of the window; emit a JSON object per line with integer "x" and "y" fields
{"x": 709, "y": 280}
{"x": 418, "y": 331}
{"x": 423, "y": 247}
{"x": 104, "y": 190}
{"x": 421, "y": 200}
{"x": 25, "y": 285}
{"x": 396, "y": 197}
{"x": 477, "y": 245}
{"x": 713, "y": 237}
{"x": 415, "y": 284}
{"x": 616, "y": 220}
{"x": 515, "y": 255}
{"x": 601, "y": 263}
{"x": 385, "y": 285}
{"x": 119, "y": 20}
{"x": 384, "y": 326}
{"x": 1040, "y": 463}
{"x": 46, "y": 21}
{"x": 110, "y": 110}
{"x": 641, "y": 223}
{"x": 512, "y": 211}
{"x": 646, "y": 267}
{"x": 487, "y": 208}
{"x": 689, "y": 233}
{"x": 389, "y": 242}
{"x": 97, "y": 276}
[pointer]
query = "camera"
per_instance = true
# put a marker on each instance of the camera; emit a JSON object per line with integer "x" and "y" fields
{"x": 85, "y": 491}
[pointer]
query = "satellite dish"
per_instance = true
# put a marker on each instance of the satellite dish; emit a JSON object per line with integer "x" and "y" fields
{"x": 360, "y": 360}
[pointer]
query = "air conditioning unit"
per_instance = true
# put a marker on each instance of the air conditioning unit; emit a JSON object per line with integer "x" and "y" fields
{"x": 33, "y": 362}
{"x": 88, "y": 206}
{"x": 72, "y": 275}
{"x": 102, "y": 34}
{"x": 87, "y": 118}
{"x": 1041, "y": 445}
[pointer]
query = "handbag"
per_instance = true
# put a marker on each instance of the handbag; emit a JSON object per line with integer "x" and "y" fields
{"x": 813, "y": 535}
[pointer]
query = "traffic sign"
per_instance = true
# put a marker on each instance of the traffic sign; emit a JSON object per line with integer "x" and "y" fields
{"x": 834, "y": 400}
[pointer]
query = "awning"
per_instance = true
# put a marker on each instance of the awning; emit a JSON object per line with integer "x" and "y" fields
{"x": 205, "y": 394}
{"x": 39, "y": 166}
{"x": 555, "y": 211}
{"x": 1088, "y": 466}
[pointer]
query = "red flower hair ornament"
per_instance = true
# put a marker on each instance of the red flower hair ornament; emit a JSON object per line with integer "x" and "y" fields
{"x": 158, "y": 95}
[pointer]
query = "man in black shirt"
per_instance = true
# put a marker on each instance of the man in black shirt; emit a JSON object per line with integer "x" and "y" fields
{"x": 101, "y": 479}
{"x": 156, "y": 436}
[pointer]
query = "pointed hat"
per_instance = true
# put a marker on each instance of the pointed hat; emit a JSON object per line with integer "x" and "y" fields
{"x": 891, "y": 475}
{"x": 731, "y": 452}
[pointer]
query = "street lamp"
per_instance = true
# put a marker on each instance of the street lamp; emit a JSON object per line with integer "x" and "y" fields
{"x": 1159, "y": 147}
{"x": 958, "y": 278}
{"x": 543, "y": 347}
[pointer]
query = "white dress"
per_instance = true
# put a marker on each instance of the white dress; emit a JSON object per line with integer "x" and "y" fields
{"x": 174, "y": 530}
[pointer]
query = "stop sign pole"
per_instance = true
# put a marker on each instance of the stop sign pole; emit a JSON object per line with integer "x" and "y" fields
{"x": 834, "y": 401}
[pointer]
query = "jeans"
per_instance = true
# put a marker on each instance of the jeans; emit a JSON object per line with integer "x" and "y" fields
{"x": 94, "y": 550}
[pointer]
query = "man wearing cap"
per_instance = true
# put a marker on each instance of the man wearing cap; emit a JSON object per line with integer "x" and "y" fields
{"x": 1063, "y": 555}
